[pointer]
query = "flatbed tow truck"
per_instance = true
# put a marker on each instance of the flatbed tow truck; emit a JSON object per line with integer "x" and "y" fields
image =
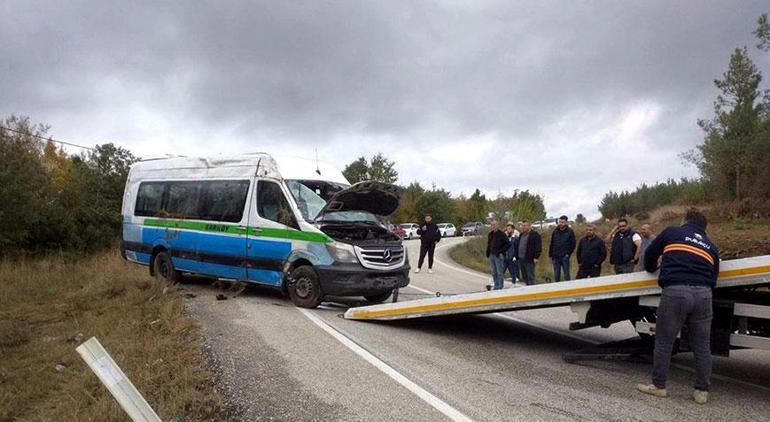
{"x": 741, "y": 308}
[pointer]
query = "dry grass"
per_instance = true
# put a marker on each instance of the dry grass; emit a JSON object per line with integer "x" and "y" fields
{"x": 48, "y": 307}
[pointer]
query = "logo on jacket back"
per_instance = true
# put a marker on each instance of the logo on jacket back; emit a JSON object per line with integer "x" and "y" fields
{"x": 698, "y": 241}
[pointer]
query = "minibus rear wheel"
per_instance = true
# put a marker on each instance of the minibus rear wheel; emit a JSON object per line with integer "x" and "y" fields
{"x": 164, "y": 269}
{"x": 304, "y": 287}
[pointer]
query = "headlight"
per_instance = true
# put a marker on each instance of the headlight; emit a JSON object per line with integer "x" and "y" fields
{"x": 342, "y": 252}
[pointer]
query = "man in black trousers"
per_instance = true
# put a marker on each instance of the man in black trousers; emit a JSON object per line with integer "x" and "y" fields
{"x": 591, "y": 253}
{"x": 429, "y": 236}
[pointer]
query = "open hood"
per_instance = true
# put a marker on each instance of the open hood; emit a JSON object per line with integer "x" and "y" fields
{"x": 378, "y": 198}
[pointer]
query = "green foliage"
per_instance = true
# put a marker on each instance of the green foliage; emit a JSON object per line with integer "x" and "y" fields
{"x": 438, "y": 203}
{"x": 522, "y": 205}
{"x": 580, "y": 219}
{"x": 763, "y": 33}
{"x": 56, "y": 201}
{"x": 646, "y": 198}
{"x": 378, "y": 168}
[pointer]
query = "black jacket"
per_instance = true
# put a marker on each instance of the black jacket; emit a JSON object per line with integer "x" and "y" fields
{"x": 689, "y": 257}
{"x": 591, "y": 252}
{"x": 623, "y": 248}
{"x": 430, "y": 234}
{"x": 562, "y": 243}
{"x": 534, "y": 247}
{"x": 497, "y": 243}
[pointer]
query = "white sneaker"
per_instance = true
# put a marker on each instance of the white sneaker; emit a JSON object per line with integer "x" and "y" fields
{"x": 417, "y": 271}
{"x": 430, "y": 271}
{"x": 700, "y": 396}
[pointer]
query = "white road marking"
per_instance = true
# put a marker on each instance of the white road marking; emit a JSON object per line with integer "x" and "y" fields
{"x": 577, "y": 337}
{"x": 420, "y": 392}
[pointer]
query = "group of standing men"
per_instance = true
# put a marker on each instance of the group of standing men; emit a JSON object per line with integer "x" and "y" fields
{"x": 518, "y": 252}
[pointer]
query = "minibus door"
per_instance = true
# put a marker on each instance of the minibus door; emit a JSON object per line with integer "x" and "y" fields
{"x": 271, "y": 219}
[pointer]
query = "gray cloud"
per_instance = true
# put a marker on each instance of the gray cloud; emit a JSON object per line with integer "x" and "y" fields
{"x": 564, "y": 98}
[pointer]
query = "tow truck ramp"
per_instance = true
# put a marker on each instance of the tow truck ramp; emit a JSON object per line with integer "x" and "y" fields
{"x": 595, "y": 300}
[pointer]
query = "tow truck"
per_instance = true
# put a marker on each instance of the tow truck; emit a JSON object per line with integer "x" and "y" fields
{"x": 741, "y": 308}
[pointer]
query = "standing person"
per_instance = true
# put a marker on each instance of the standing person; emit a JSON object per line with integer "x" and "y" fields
{"x": 529, "y": 245}
{"x": 497, "y": 245}
{"x": 688, "y": 273}
{"x": 624, "y": 251}
{"x": 591, "y": 253}
{"x": 647, "y": 237}
{"x": 510, "y": 261}
{"x": 429, "y": 236}
{"x": 561, "y": 248}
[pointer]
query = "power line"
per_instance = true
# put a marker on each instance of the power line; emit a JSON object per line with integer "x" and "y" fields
{"x": 46, "y": 139}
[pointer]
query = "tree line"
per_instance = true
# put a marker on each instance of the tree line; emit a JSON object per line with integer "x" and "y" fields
{"x": 55, "y": 201}
{"x": 732, "y": 160}
{"x": 440, "y": 203}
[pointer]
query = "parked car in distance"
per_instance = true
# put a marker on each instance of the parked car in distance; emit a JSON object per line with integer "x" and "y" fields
{"x": 410, "y": 230}
{"x": 447, "y": 230}
{"x": 472, "y": 228}
{"x": 397, "y": 230}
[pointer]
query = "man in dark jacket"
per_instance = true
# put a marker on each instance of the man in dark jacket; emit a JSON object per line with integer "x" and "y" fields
{"x": 497, "y": 244}
{"x": 561, "y": 248}
{"x": 529, "y": 245}
{"x": 591, "y": 253}
{"x": 688, "y": 272}
{"x": 625, "y": 247}
{"x": 429, "y": 236}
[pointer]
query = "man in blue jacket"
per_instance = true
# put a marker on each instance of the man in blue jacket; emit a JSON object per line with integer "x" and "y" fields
{"x": 510, "y": 262}
{"x": 688, "y": 272}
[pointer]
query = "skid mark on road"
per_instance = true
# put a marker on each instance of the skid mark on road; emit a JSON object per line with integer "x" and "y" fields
{"x": 410, "y": 385}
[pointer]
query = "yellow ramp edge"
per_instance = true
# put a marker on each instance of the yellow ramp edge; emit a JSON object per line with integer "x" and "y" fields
{"x": 737, "y": 272}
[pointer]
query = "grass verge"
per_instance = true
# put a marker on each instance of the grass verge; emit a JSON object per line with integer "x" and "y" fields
{"x": 49, "y": 306}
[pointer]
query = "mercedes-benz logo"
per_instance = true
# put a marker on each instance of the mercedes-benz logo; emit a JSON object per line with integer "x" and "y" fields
{"x": 387, "y": 255}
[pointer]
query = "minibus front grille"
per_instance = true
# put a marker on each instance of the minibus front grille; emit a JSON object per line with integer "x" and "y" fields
{"x": 381, "y": 258}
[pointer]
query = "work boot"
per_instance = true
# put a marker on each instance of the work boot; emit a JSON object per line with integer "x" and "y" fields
{"x": 652, "y": 390}
{"x": 700, "y": 396}
{"x": 417, "y": 271}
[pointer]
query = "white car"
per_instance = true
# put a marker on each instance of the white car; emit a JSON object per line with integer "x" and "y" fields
{"x": 410, "y": 230}
{"x": 447, "y": 230}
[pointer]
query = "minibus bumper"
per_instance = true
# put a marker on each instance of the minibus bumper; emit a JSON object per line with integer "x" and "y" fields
{"x": 355, "y": 280}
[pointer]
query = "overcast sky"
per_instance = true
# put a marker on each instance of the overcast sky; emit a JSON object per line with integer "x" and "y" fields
{"x": 567, "y": 99}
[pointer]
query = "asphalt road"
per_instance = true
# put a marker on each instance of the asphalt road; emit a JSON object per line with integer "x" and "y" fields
{"x": 276, "y": 362}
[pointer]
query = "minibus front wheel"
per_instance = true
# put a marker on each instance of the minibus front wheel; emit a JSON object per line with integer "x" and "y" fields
{"x": 305, "y": 287}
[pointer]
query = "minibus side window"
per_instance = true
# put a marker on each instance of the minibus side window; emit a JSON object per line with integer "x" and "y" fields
{"x": 182, "y": 201}
{"x": 272, "y": 204}
{"x": 223, "y": 200}
{"x": 149, "y": 199}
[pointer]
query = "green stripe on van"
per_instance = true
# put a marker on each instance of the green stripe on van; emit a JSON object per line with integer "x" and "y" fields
{"x": 290, "y": 234}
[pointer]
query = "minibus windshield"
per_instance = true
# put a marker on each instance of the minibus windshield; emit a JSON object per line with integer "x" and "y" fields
{"x": 311, "y": 195}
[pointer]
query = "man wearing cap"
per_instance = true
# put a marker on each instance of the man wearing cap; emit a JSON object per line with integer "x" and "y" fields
{"x": 429, "y": 236}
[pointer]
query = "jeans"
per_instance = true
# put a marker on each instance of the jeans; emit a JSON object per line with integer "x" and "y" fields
{"x": 589, "y": 271}
{"x": 558, "y": 264}
{"x": 527, "y": 272}
{"x": 497, "y": 267}
{"x": 680, "y": 306}
{"x": 513, "y": 268}
{"x": 426, "y": 248}
{"x": 624, "y": 268}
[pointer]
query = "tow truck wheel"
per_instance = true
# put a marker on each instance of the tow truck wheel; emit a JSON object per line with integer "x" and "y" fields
{"x": 164, "y": 269}
{"x": 304, "y": 287}
{"x": 382, "y": 297}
